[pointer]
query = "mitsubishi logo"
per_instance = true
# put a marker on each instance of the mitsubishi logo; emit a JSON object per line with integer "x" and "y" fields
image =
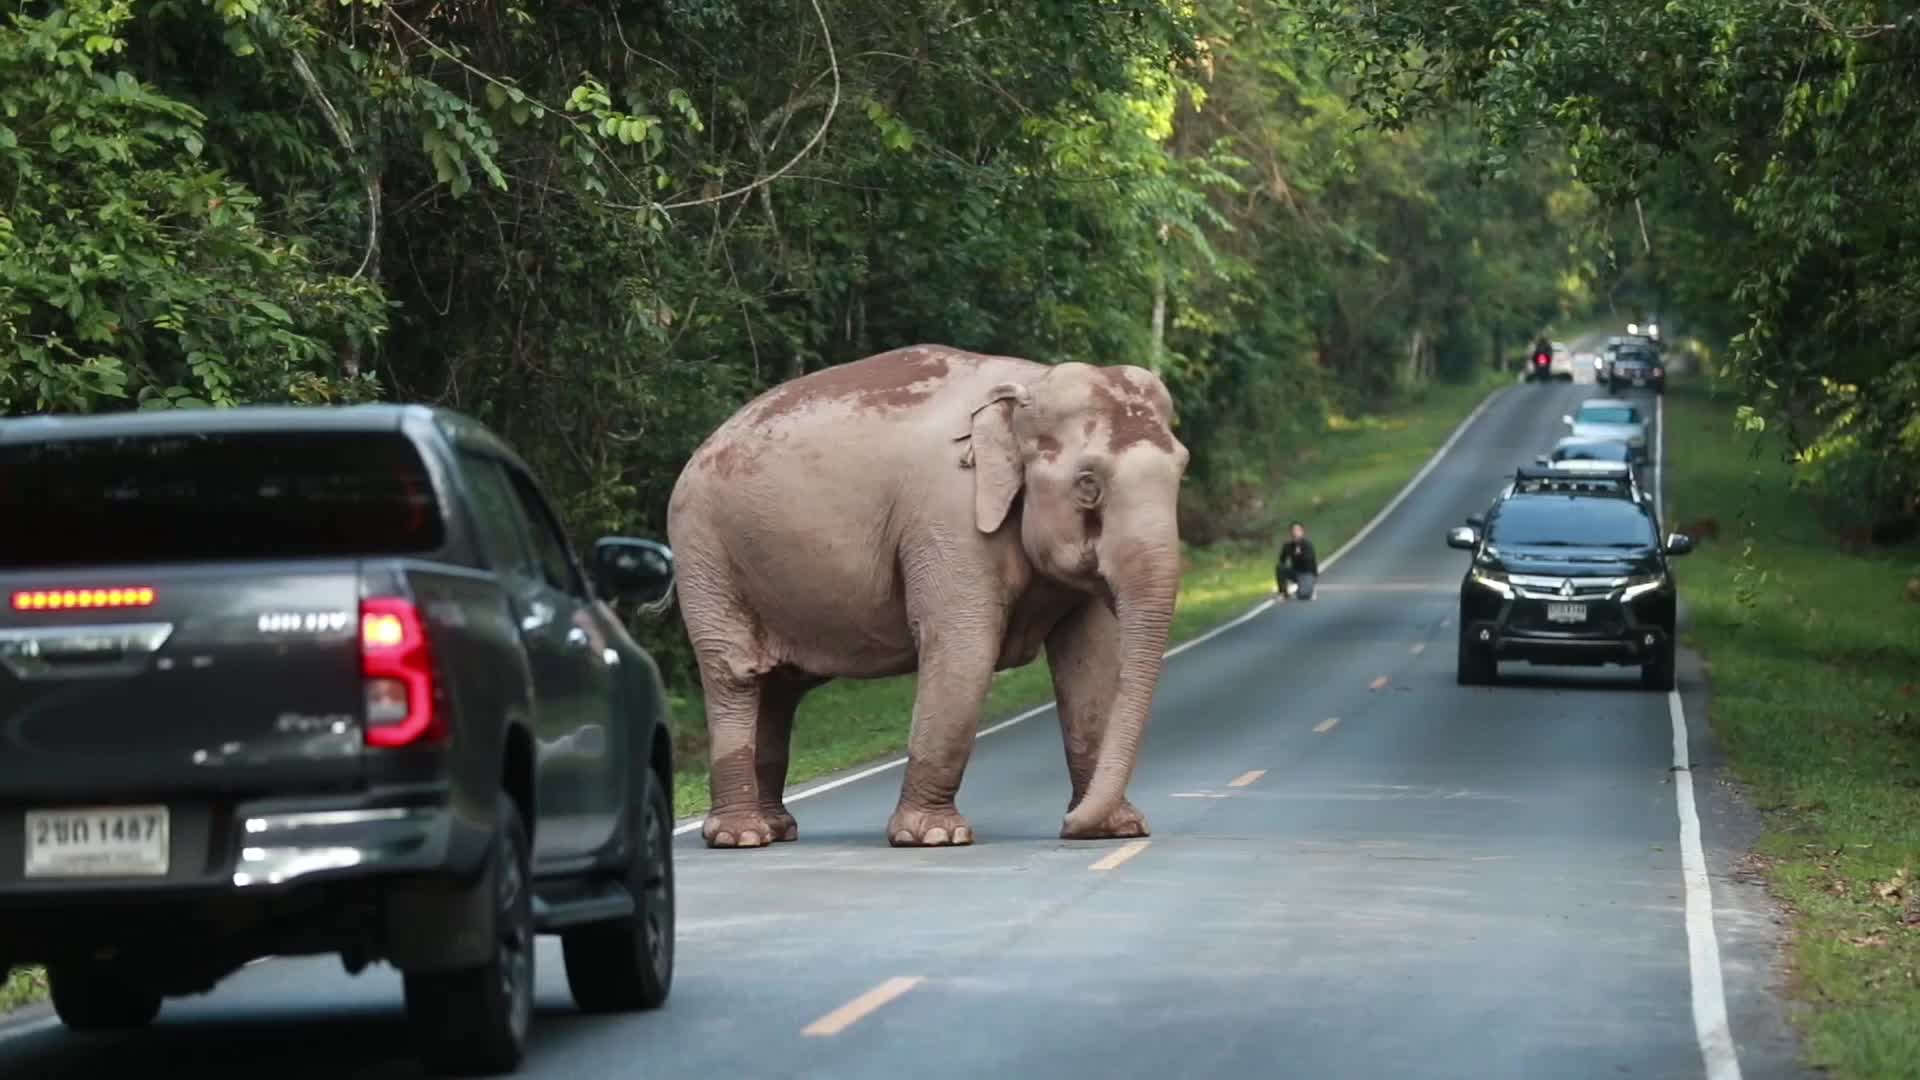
{"x": 1566, "y": 587}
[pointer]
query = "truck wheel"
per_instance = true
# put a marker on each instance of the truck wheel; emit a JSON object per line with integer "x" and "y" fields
{"x": 626, "y": 964}
{"x": 89, "y": 998}
{"x": 1658, "y": 672}
{"x": 474, "y": 1021}
{"x": 1474, "y": 665}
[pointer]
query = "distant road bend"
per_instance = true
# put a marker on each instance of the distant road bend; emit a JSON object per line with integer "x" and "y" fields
{"x": 1358, "y": 869}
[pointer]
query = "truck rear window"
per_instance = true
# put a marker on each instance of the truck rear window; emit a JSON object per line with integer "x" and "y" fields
{"x": 221, "y": 496}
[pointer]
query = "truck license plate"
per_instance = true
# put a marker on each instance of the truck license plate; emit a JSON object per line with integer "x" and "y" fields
{"x": 1566, "y": 613}
{"x": 1638, "y": 381}
{"x": 115, "y": 841}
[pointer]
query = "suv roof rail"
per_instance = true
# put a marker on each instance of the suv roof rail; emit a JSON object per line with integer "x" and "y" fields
{"x": 1542, "y": 479}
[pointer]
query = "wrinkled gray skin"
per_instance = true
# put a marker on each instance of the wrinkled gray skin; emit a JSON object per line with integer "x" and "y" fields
{"x": 937, "y": 511}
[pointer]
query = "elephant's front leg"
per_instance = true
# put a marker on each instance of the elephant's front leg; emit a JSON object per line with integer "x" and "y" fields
{"x": 1083, "y": 656}
{"x": 956, "y": 668}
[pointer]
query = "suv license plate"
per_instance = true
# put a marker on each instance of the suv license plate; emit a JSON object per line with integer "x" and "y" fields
{"x": 1638, "y": 381}
{"x": 1566, "y": 613}
{"x": 115, "y": 841}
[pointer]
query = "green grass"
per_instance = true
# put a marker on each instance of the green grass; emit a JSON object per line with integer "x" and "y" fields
{"x": 1815, "y": 657}
{"x": 1360, "y": 464}
{"x": 23, "y": 986}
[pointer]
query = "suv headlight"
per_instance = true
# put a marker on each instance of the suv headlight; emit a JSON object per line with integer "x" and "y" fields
{"x": 1639, "y": 585}
{"x": 1495, "y": 580}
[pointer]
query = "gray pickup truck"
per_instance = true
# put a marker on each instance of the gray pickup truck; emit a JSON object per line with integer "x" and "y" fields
{"x": 286, "y": 681}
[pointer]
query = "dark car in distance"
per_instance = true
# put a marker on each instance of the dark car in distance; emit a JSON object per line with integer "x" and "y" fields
{"x": 1567, "y": 570}
{"x": 308, "y": 681}
{"x": 1635, "y": 366}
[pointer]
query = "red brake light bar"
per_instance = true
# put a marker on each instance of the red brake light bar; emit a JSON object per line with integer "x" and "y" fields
{"x": 77, "y": 599}
{"x": 398, "y": 669}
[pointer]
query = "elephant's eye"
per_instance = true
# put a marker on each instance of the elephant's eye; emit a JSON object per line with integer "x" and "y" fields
{"x": 1087, "y": 490}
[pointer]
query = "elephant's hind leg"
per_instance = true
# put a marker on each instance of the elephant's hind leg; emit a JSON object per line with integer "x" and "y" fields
{"x": 1083, "y": 656}
{"x": 779, "y": 700}
{"x": 734, "y": 677}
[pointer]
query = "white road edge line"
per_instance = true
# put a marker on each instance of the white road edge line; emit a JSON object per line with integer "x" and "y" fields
{"x": 1710, "y": 1024}
{"x": 693, "y": 824}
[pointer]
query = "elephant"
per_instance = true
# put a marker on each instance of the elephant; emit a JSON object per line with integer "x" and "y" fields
{"x": 941, "y": 512}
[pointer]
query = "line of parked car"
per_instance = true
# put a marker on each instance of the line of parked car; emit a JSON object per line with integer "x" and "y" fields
{"x": 1569, "y": 564}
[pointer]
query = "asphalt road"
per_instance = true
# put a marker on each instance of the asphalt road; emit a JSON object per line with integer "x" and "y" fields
{"x": 1357, "y": 869}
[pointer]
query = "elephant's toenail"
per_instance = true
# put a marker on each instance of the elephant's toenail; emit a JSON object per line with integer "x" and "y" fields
{"x": 903, "y": 837}
{"x": 724, "y": 839}
{"x": 963, "y": 836}
{"x": 749, "y": 839}
{"x": 936, "y": 836}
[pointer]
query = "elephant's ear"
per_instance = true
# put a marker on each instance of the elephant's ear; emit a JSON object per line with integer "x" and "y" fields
{"x": 995, "y": 455}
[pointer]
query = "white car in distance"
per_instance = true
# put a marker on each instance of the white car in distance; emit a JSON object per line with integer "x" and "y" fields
{"x": 1610, "y": 420}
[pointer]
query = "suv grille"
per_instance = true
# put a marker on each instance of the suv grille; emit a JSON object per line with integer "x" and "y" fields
{"x": 1553, "y": 587}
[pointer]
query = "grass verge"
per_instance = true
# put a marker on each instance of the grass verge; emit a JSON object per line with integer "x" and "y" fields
{"x": 1815, "y": 657}
{"x": 1360, "y": 464}
{"x": 23, "y": 986}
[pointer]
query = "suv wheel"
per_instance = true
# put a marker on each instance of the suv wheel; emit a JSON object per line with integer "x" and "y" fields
{"x": 1474, "y": 665}
{"x": 1658, "y": 672}
{"x": 474, "y": 1021}
{"x": 627, "y": 963}
{"x": 89, "y": 998}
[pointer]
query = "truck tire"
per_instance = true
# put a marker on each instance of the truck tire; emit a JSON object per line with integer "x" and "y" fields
{"x": 1474, "y": 665}
{"x": 474, "y": 1021}
{"x": 1658, "y": 672}
{"x": 90, "y": 998}
{"x": 626, "y": 964}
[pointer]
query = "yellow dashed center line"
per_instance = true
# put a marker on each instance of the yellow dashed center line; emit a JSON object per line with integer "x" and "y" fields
{"x": 1246, "y": 778}
{"x": 1121, "y": 855}
{"x": 859, "y": 1008}
{"x": 1326, "y": 725}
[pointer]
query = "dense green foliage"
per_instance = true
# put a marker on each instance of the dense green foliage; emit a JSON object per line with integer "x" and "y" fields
{"x": 602, "y": 228}
{"x": 1770, "y": 148}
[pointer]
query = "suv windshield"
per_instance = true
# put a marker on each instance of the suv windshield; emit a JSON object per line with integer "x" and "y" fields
{"x": 1569, "y": 521}
{"x": 1605, "y": 451}
{"x": 245, "y": 495}
{"x": 1608, "y": 414}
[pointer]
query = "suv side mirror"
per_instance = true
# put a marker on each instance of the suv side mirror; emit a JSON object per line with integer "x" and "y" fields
{"x": 637, "y": 570}
{"x": 1462, "y": 538}
{"x": 1476, "y": 521}
{"x": 1679, "y": 543}
{"x": 1567, "y": 420}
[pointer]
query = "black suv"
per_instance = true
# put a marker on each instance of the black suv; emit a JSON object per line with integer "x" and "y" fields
{"x": 1636, "y": 366}
{"x": 285, "y": 681}
{"x": 1567, "y": 570}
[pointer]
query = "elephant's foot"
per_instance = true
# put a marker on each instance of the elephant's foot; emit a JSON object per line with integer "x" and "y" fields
{"x": 1125, "y": 822}
{"x": 785, "y": 828}
{"x": 738, "y": 829}
{"x": 910, "y": 827}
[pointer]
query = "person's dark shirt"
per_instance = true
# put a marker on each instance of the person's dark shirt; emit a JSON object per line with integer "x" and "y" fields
{"x": 1298, "y": 555}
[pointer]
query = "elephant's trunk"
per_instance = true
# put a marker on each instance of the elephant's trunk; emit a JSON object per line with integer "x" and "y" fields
{"x": 1145, "y": 582}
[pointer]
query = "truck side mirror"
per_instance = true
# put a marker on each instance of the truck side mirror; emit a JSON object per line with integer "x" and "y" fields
{"x": 628, "y": 569}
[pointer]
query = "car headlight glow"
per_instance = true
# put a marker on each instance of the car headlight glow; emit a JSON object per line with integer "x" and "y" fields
{"x": 1639, "y": 585}
{"x": 1495, "y": 580}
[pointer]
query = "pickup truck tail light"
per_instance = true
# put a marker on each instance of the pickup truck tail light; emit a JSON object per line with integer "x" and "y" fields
{"x": 396, "y": 664}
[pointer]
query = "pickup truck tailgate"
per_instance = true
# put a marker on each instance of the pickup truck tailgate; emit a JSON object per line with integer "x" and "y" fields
{"x": 181, "y": 612}
{"x": 180, "y": 679}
